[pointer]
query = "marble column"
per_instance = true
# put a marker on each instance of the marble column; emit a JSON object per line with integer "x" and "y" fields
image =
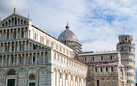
{"x": 17, "y": 59}
{"x": 6, "y": 60}
{"x": 9, "y": 60}
{"x": 36, "y": 58}
{"x": 43, "y": 58}
{"x": 2, "y": 60}
{"x": 32, "y": 58}
{"x": 24, "y": 59}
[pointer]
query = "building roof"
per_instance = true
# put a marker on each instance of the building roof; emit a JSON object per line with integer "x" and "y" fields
{"x": 97, "y": 53}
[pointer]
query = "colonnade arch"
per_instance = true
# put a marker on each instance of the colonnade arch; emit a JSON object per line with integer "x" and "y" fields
{"x": 66, "y": 78}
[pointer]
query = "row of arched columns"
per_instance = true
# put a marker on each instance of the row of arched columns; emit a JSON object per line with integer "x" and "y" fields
{"x": 29, "y": 58}
{"x": 13, "y": 33}
{"x": 65, "y": 78}
{"x": 17, "y": 46}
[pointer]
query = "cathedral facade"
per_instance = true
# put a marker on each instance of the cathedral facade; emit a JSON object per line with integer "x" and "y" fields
{"x": 31, "y": 57}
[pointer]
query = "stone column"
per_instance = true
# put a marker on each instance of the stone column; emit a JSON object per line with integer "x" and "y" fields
{"x": 32, "y": 58}
{"x": 2, "y": 60}
{"x": 25, "y": 48}
{"x": 18, "y": 46}
{"x": 28, "y": 58}
{"x": 57, "y": 79}
{"x": 40, "y": 58}
{"x": 6, "y": 34}
{"x": 25, "y": 59}
{"x": 21, "y": 46}
{"x": 16, "y": 33}
{"x": 17, "y": 59}
{"x": 0, "y": 48}
{"x": 21, "y": 57}
{"x": 31, "y": 46}
{"x": 13, "y": 33}
{"x": 10, "y": 46}
{"x": 2, "y": 35}
{"x": 36, "y": 58}
{"x": 3, "y": 47}
{"x": 20, "y": 33}
{"x": 6, "y": 60}
{"x": 9, "y": 60}
{"x": 13, "y": 60}
{"x": 28, "y": 46}
{"x": 43, "y": 57}
{"x": 9, "y": 33}
{"x": 15, "y": 46}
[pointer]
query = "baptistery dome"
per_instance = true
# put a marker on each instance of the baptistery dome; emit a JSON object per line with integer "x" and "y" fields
{"x": 67, "y": 35}
{"x": 70, "y": 39}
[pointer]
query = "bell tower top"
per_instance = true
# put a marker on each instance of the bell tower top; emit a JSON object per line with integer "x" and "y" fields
{"x": 125, "y": 39}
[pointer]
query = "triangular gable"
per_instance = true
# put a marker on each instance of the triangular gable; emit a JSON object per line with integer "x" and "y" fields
{"x": 14, "y": 19}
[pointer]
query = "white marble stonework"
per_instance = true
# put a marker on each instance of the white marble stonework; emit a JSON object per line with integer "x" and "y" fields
{"x": 31, "y": 57}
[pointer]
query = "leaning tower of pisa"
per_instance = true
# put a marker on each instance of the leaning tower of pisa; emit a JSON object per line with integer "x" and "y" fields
{"x": 127, "y": 50}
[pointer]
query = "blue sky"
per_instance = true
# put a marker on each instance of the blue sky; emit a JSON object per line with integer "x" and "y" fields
{"x": 96, "y": 23}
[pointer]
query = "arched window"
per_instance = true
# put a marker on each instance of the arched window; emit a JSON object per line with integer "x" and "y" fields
{"x": 12, "y": 47}
{"x": 93, "y": 58}
{"x": 12, "y": 21}
{"x": 32, "y": 77}
{"x": 11, "y": 72}
{"x": 9, "y": 22}
{"x": 33, "y": 59}
{"x": 96, "y": 69}
{"x": 12, "y": 59}
{"x": 20, "y": 47}
{"x": 14, "y": 34}
{"x": 22, "y": 34}
{"x": 3, "y": 24}
{"x": 18, "y": 21}
{"x": 20, "y": 60}
{"x": 101, "y": 69}
{"x": 6, "y": 23}
{"x": 21, "y": 21}
{"x": 6, "y": 48}
{"x": 34, "y": 47}
{"x": 101, "y": 57}
{"x": 111, "y": 57}
{"x": 111, "y": 68}
{"x": 129, "y": 49}
{"x": 106, "y": 69}
{"x": 24, "y": 22}
{"x": 15, "y": 20}
{"x": 7, "y": 35}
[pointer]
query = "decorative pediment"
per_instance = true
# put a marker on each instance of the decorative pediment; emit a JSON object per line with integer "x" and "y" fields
{"x": 14, "y": 19}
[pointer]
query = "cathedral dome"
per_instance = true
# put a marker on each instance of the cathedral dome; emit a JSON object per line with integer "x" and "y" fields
{"x": 67, "y": 35}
